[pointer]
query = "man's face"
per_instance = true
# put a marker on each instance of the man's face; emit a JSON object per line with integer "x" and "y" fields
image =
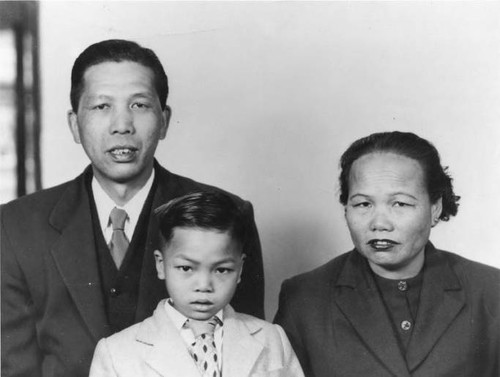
{"x": 119, "y": 122}
{"x": 202, "y": 269}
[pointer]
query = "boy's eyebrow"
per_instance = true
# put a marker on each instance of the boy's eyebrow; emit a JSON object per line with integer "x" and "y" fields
{"x": 180, "y": 256}
{"x": 222, "y": 261}
{"x": 226, "y": 260}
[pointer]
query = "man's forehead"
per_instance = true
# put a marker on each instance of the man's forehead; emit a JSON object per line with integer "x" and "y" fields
{"x": 125, "y": 67}
{"x": 133, "y": 76}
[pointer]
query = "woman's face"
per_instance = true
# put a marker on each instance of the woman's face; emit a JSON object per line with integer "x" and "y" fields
{"x": 389, "y": 213}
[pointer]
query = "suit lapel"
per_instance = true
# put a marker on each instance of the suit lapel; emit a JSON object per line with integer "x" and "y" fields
{"x": 356, "y": 295}
{"x": 441, "y": 299}
{"x": 152, "y": 289}
{"x": 240, "y": 349}
{"x": 75, "y": 256}
{"x": 169, "y": 355}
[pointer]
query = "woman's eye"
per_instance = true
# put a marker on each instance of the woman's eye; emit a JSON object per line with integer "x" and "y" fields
{"x": 361, "y": 205}
{"x": 402, "y": 204}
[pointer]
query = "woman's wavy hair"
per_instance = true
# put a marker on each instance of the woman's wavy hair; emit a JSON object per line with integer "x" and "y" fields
{"x": 438, "y": 181}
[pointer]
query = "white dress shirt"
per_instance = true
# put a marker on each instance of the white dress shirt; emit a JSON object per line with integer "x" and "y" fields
{"x": 133, "y": 207}
{"x": 187, "y": 335}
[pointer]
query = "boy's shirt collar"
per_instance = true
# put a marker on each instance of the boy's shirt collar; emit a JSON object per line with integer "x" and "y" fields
{"x": 179, "y": 319}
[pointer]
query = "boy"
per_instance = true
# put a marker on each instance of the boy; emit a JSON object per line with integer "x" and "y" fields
{"x": 196, "y": 332}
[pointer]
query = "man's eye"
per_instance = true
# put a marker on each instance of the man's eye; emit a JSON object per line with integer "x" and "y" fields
{"x": 183, "y": 268}
{"x": 101, "y": 106}
{"x": 139, "y": 105}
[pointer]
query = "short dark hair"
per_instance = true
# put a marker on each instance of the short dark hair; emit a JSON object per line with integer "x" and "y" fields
{"x": 117, "y": 50}
{"x": 202, "y": 210}
{"x": 438, "y": 181}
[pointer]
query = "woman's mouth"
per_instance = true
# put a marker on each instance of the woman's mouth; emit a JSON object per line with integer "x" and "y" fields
{"x": 382, "y": 244}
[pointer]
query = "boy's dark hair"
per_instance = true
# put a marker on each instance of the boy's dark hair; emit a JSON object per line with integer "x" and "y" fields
{"x": 117, "y": 50}
{"x": 202, "y": 210}
{"x": 437, "y": 180}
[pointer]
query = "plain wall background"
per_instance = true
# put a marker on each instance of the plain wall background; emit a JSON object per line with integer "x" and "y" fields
{"x": 267, "y": 96}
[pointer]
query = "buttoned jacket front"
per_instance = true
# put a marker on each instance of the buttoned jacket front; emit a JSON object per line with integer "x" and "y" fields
{"x": 338, "y": 325}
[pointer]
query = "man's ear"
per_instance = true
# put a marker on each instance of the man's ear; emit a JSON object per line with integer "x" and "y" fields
{"x": 243, "y": 256}
{"x": 160, "y": 268}
{"x": 166, "y": 115}
{"x": 73, "y": 126}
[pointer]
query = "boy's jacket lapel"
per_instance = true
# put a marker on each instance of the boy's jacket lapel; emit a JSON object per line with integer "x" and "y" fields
{"x": 241, "y": 350}
{"x": 169, "y": 356}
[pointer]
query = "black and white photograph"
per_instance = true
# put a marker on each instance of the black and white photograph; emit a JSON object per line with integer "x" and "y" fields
{"x": 250, "y": 188}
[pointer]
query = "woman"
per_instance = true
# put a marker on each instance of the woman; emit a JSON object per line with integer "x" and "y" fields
{"x": 395, "y": 305}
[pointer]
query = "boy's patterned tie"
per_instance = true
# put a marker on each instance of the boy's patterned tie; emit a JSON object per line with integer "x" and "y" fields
{"x": 119, "y": 242}
{"x": 203, "y": 349}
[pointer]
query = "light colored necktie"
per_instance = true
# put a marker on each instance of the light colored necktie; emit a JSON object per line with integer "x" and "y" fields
{"x": 203, "y": 349}
{"x": 119, "y": 242}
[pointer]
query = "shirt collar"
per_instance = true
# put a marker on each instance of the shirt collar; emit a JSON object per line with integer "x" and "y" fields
{"x": 133, "y": 207}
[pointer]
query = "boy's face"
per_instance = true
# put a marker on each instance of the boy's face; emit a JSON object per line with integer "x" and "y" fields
{"x": 201, "y": 269}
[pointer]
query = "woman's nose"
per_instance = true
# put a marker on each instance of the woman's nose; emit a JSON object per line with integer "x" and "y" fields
{"x": 381, "y": 221}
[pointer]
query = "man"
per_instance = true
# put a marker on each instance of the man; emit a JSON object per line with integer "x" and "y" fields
{"x": 77, "y": 259}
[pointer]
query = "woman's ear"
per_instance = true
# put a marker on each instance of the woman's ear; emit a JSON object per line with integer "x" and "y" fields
{"x": 436, "y": 210}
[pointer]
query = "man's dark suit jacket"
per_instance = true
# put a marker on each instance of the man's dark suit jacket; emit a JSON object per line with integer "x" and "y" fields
{"x": 337, "y": 324}
{"x": 53, "y": 309}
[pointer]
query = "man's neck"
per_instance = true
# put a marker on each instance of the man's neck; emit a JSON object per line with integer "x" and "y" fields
{"x": 121, "y": 193}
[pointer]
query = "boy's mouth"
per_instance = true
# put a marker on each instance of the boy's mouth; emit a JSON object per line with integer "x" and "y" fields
{"x": 202, "y": 305}
{"x": 202, "y": 302}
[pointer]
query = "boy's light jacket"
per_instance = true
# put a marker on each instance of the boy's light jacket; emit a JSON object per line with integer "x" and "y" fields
{"x": 153, "y": 348}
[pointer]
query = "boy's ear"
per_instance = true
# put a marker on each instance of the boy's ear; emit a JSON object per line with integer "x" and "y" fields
{"x": 243, "y": 256}
{"x": 160, "y": 268}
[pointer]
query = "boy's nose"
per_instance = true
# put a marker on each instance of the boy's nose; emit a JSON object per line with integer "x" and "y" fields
{"x": 204, "y": 283}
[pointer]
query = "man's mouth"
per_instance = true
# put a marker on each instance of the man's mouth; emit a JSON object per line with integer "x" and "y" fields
{"x": 123, "y": 154}
{"x": 382, "y": 244}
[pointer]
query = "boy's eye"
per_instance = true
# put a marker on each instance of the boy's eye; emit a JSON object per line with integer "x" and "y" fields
{"x": 183, "y": 268}
{"x": 224, "y": 270}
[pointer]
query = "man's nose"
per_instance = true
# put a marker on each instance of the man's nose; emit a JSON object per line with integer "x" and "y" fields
{"x": 381, "y": 220}
{"x": 123, "y": 121}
